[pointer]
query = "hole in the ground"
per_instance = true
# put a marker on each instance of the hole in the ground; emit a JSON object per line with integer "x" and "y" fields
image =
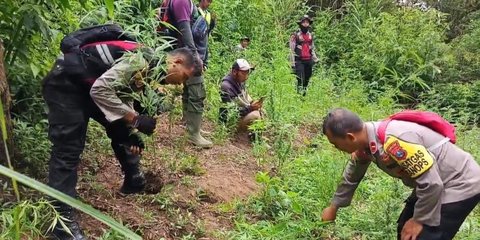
{"x": 154, "y": 182}
{"x": 206, "y": 196}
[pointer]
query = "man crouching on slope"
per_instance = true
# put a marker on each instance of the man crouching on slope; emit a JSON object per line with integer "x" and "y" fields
{"x": 89, "y": 84}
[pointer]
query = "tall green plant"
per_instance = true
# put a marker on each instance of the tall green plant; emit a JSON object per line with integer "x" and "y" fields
{"x": 34, "y": 184}
{"x": 3, "y": 127}
{"x": 26, "y": 218}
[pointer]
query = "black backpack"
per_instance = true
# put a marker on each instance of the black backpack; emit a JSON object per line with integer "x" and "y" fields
{"x": 80, "y": 65}
{"x": 106, "y": 32}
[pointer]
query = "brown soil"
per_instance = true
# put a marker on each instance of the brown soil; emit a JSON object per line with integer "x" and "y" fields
{"x": 306, "y": 133}
{"x": 186, "y": 186}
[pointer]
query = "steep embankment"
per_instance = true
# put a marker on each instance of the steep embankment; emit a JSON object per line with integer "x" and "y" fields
{"x": 187, "y": 186}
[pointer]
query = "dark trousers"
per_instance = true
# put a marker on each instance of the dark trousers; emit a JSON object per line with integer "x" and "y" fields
{"x": 303, "y": 72}
{"x": 452, "y": 217}
{"x": 69, "y": 110}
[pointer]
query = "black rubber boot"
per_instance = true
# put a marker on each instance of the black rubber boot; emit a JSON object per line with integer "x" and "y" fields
{"x": 134, "y": 182}
{"x": 74, "y": 231}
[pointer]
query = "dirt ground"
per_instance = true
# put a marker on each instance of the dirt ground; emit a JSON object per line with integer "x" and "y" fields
{"x": 186, "y": 186}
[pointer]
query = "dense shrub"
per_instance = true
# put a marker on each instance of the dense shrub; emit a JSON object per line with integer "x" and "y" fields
{"x": 398, "y": 48}
{"x": 457, "y": 93}
{"x": 457, "y": 102}
{"x": 33, "y": 145}
{"x": 465, "y": 54}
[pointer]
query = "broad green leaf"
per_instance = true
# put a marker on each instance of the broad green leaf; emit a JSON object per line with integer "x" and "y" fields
{"x": 110, "y": 8}
{"x": 35, "y": 70}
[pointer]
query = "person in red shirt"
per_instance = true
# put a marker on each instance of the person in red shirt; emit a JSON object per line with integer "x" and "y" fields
{"x": 303, "y": 54}
{"x": 183, "y": 15}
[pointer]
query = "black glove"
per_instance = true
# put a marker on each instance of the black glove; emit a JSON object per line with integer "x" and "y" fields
{"x": 144, "y": 124}
{"x": 136, "y": 140}
{"x": 118, "y": 131}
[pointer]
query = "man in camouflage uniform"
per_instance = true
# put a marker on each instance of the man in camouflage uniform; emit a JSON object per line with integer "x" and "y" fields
{"x": 183, "y": 14}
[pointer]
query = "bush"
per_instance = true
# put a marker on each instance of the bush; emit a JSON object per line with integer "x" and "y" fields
{"x": 465, "y": 53}
{"x": 32, "y": 142}
{"x": 26, "y": 219}
{"x": 389, "y": 47}
{"x": 457, "y": 102}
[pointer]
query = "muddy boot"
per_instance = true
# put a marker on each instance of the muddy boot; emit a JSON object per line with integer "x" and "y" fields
{"x": 205, "y": 132}
{"x": 59, "y": 233}
{"x": 134, "y": 181}
{"x": 194, "y": 120}
{"x": 184, "y": 124}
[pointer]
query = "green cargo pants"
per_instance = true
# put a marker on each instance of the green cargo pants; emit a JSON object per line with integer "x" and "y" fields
{"x": 194, "y": 95}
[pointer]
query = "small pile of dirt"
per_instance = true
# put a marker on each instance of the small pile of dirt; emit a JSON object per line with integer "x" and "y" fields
{"x": 154, "y": 182}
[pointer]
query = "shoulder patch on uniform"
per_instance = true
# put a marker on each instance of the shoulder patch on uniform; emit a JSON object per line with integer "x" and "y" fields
{"x": 413, "y": 158}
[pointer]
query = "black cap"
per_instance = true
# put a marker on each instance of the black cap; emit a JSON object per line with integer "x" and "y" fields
{"x": 305, "y": 17}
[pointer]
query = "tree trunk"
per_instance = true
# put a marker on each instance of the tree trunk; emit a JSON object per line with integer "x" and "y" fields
{"x": 6, "y": 101}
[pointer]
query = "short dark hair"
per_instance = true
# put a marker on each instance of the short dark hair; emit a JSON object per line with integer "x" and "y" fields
{"x": 340, "y": 121}
{"x": 191, "y": 59}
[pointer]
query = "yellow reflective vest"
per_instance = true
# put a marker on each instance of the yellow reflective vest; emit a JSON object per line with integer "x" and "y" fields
{"x": 206, "y": 14}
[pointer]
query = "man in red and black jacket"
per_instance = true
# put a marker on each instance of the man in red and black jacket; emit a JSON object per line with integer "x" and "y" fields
{"x": 303, "y": 56}
{"x": 85, "y": 84}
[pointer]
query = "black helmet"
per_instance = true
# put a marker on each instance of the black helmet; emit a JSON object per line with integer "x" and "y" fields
{"x": 305, "y": 17}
